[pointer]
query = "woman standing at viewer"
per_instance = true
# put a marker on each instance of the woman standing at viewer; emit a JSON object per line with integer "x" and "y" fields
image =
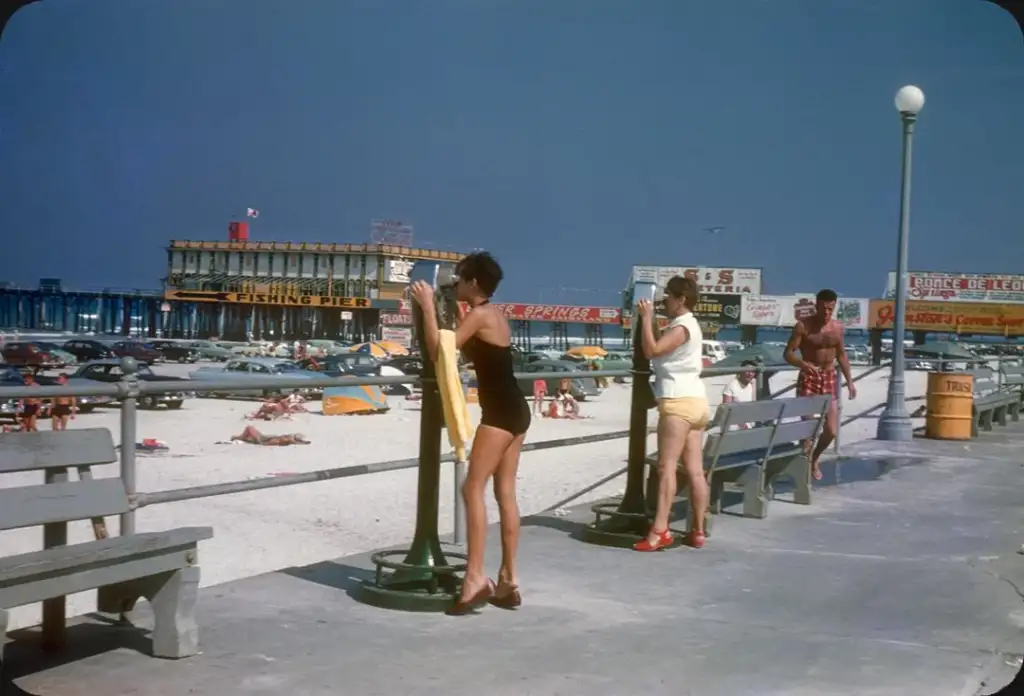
{"x": 682, "y": 408}
{"x": 484, "y": 337}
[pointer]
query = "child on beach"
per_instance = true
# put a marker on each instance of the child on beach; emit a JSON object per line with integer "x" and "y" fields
{"x": 540, "y": 390}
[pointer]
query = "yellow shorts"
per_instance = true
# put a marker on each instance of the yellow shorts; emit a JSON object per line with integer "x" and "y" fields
{"x": 694, "y": 410}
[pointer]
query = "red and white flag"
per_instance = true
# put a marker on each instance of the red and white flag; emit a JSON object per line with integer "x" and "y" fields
{"x": 252, "y": 212}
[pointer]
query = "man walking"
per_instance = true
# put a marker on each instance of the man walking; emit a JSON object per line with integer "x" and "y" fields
{"x": 820, "y": 341}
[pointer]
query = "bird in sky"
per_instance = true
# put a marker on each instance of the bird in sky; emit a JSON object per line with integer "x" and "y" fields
{"x": 713, "y": 230}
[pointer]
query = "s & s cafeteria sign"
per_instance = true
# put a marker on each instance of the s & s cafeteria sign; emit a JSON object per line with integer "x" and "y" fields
{"x": 710, "y": 279}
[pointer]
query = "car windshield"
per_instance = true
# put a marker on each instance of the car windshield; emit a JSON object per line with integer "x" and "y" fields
{"x": 286, "y": 367}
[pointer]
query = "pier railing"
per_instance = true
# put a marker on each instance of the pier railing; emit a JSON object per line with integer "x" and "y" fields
{"x": 130, "y": 389}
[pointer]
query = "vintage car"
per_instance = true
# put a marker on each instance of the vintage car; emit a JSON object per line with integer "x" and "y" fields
{"x": 582, "y": 386}
{"x": 208, "y": 350}
{"x": 143, "y": 352}
{"x": 31, "y": 355}
{"x": 263, "y": 369}
{"x": 175, "y": 351}
{"x": 110, "y": 371}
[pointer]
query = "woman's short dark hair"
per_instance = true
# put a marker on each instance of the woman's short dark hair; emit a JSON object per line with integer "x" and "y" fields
{"x": 483, "y": 268}
{"x": 683, "y": 289}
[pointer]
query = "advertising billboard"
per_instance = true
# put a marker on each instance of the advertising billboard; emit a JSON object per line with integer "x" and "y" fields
{"x": 716, "y": 280}
{"x": 785, "y": 310}
{"x": 961, "y": 287}
{"x": 952, "y": 317}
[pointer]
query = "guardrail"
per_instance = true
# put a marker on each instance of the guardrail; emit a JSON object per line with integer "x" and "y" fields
{"x": 130, "y": 388}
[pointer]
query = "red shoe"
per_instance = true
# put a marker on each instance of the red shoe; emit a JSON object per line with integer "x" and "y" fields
{"x": 696, "y": 539}
{"x": 662, "y": 540}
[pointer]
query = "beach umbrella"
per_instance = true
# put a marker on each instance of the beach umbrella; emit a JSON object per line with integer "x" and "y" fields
{"x": 771, "y": 356}
{"x": 393, "y": 348}
{"x": 355, "y": 399}
{"x": 371, "y": 348}
{"x": 587, "y": 351}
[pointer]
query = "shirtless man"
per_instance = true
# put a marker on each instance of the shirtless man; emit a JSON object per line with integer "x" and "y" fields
{"x": 819, "y": 339}
{"x": 62, "y": 407}
{"x": 30, "y": 407}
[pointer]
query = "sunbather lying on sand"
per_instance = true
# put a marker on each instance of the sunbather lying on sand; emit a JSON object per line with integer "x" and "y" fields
{"x": 253, "y": 436}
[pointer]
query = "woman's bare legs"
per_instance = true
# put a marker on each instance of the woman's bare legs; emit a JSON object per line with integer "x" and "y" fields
{"x": 672, "y": 437}
{"x": 508, "y": 511}
{"x": 489, "y": 447}
{"x": 693, "y": 466}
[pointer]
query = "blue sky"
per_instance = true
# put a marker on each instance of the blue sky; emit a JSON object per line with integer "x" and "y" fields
{"x": 571, "y": 138}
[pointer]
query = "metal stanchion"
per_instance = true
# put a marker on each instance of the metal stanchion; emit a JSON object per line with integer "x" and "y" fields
{"x": 424, "y": 580}
{"x": 129, "y": 388}
{"x": 624, "y": 523}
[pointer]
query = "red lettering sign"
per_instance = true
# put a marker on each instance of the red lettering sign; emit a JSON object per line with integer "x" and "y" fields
{"x": 560, "y": 313}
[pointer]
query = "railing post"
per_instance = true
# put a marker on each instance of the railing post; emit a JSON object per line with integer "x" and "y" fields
{"x": 759, "y": 380}
{"x": 128, "y": 389}
{"x": 839, "y": 409}
{"x": 424, "y": 580}
{"x": 624, "y": 524}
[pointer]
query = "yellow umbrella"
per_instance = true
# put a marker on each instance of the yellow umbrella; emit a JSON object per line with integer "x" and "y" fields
{"x": 372, "y": 348}
{"x": 588, "y": 351}
{"x": 393, "y": 348}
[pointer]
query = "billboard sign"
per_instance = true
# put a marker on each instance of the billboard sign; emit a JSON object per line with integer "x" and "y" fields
{"x": 718, "y": 309}
{"x": 710, "y": 279}
{"x": 560, "y": 313}
{"x": 786, "y": 310}
{"x": 952, "y": 317}
{"x": 961, "y": 287}
{"x": 397, "y": 270}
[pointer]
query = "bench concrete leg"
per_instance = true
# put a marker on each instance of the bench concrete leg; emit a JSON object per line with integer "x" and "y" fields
{"x": 716, "y": 490}
{"x": 755, "y": 504}
{"x": 3, "y": 641}
{"x": 1014, "y": 411}
{"x": 172, "y": 597}
{"x": 799, "y": 467}
{"x": 986, "y": 420}
{"x": 999, "y": 414}
{"x": 175, "y": 633}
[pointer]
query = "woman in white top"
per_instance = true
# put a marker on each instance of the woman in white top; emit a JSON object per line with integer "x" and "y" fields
{"x": 683, "y": 411}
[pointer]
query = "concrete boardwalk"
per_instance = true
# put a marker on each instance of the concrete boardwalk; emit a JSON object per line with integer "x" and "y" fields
{"x": 902, "y": 578}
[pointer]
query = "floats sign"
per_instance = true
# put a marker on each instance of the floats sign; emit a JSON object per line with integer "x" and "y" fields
{"x": 961, "y": 287}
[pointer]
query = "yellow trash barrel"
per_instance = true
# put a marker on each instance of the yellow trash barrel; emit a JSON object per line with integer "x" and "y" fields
{"x": 950, "y": 399}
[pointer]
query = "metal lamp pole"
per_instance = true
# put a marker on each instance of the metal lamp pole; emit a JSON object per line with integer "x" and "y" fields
{"x": 894, "y": 423}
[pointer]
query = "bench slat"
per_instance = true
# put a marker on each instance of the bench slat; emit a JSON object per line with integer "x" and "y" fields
{"x": 15, "y": 569}
{"x": 49, "y": 449}
{"x": 732, "y": 441}
{"x": 29, "y": 506}
{"x": 749, "y": 412}
{"x": 806, "y": 406}
{"x": 798, "y": 430}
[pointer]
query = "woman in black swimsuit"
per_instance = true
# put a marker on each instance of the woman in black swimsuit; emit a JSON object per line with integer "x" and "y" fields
{"x": 485, "y": 339}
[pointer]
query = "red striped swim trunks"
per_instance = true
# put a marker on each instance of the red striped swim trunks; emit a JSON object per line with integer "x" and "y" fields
{"x": 816, "y": 383}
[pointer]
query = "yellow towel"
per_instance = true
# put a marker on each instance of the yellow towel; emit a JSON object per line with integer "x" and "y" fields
{"x": 456, "y": 412}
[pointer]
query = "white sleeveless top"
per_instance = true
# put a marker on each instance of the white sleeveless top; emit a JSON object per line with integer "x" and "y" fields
{"x": 677, "y": 375}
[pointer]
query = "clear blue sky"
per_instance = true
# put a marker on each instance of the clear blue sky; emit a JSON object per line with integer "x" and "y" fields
{"x": 571, "y": 138}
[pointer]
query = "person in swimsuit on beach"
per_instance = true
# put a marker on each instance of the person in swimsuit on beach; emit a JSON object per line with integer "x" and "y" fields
{"x": 30, "y": 408}
{"x": 484, "y": 337}
{"x": 62, "y": 407}
{"x": 252, "y": 436}
{"x": 820, "y": 342}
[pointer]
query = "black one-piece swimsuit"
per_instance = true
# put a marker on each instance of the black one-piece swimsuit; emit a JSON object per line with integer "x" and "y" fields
{"x": 502, "y": 402}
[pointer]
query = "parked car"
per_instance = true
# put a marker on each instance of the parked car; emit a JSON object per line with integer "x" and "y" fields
{"x": 208, "y": 350}
{"x": 58, "y": 351}
{"x": 110, "y": 371}
{"x": 361, "y": 364}
{"x": 86, "y": 349}
{"x": 175, "y": 351}
{"x": 582, "y": 387}
{"x": 268, "y": 369}
{"x": 406, "y": 364}
{"x": 29, "y": 354}
{"x": 142, "y": 352}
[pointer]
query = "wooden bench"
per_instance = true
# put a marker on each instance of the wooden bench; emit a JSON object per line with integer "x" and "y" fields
{"x": 160, "y": 566}
{"x": 1013, "y": 382}
{"x": 991, "y": 404}
{"x": 752, "y": 458}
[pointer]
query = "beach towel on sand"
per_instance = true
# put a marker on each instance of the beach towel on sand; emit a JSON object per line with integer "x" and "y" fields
{"x": 456, "y": 411}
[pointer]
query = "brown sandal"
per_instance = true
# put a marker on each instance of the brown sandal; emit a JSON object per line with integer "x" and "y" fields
{"x": 511, "y": 600}
{"x": 481, "y": 596}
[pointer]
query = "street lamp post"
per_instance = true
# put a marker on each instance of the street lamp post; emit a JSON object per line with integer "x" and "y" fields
{"x": 895, "y": 424}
